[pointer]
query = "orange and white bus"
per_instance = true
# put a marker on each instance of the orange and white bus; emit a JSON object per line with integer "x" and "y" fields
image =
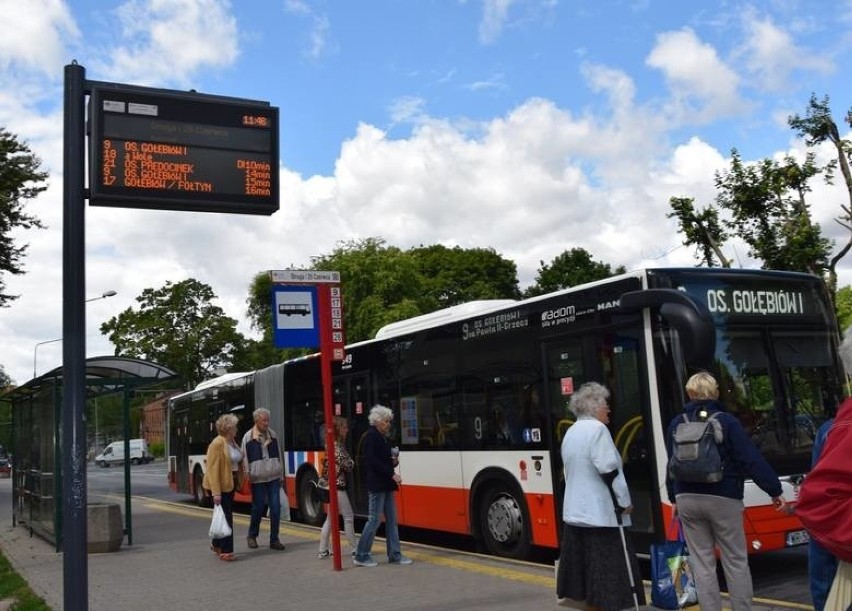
{"x": 479, "y": 393}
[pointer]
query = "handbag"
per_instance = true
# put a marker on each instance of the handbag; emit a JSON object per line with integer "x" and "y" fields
{"x": 219, "y": 528}
{"x": 672, "y": 584}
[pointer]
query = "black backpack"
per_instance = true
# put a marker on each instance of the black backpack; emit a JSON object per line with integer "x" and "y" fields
{"x": 695, "y": 450}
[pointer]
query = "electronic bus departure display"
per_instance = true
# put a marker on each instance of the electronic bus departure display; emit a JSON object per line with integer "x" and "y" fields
{"x": 182, "y": 151}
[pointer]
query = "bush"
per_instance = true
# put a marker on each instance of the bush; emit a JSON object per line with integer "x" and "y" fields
{"x": 157, "y": 449}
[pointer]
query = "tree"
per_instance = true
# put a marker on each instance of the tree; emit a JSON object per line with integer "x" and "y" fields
{"x": 20, "y": 180}
{"x": 5, "y": 380}
{"x": 568, "y": 269}
{"x": 177, "y": 326}
{"x": 765, "y": 205}
{"x": 843, "y": 305}
{"x": 768, "y": 211}
{"x": 816, "y": 127}
{"x": 382, "y": 284}
{"x": 452, "y": 276}
{"x": 700, "y": 229}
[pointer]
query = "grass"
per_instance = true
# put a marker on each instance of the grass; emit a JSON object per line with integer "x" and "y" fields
{"x": 13, "y": 587}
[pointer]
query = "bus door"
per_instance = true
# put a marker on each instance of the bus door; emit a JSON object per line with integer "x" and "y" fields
{"x": 351, "y": 399}
{"x": 611, "y": 357}
{"x": 179, "y": 450}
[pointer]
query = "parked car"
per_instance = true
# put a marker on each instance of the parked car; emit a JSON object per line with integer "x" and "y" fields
{"x": 5, "y": 467}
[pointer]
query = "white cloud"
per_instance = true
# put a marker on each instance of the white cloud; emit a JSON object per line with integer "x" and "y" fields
{"x": 167, "y": 41}
{"x": 771, "y": 56}
{"x": 703, "y": 87}
{"x": 494, "y": 15}
{"x": 33, "y": 35}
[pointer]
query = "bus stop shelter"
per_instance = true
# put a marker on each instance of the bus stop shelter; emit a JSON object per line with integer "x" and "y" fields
{"x": 36, "y": 437}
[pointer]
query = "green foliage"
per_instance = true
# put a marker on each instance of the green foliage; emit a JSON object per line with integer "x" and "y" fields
{"x": 701, "y": 229}
{"x": 571, "y": 268}
{"x": 382, "y": 284}
{"x": 843, "y": 306}
{"x": 20, "y": 180}
{"x": 765, "y": 204}
{"x": 452, "y": 276}
{"x": 13, "y": 587}
{"x": 177, "y": 326}
{"x": 5, "y": 380}
{"x": 157, "y": 449}
{"x": 768, "y": 211}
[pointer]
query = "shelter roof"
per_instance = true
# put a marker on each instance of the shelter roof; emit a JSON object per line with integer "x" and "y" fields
{"x": 104, "y": 374}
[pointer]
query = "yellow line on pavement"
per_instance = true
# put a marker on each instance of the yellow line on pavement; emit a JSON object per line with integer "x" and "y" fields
{"x": 437, "y": 559}
{"x": 474, "y": 566}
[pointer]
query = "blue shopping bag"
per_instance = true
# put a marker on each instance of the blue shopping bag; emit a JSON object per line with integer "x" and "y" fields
{"x": 672, "y": 585}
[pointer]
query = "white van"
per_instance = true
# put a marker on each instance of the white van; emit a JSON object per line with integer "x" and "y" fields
{"x": 114, "y": 453}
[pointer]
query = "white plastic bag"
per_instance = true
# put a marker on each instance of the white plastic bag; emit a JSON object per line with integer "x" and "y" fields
{"x": 285, "y": 505}
{"x": 219, "y": 528}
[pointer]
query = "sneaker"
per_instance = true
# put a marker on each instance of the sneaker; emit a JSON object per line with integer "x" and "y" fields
{"x": 251, "y": 542}
{"x": 276, "y": 545}
{"x": 367, "y": 562}
{"x": 324, "y": 554}
{"x": 403, "y": 560}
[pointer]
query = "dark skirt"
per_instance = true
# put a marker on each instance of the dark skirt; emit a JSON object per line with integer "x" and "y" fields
{"x": 592, "y": 568}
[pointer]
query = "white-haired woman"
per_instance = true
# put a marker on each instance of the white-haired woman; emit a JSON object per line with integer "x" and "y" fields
{"x": 382, "y": 481}
{"x": 224, "y": 458}
{"x": 592, "y": 569}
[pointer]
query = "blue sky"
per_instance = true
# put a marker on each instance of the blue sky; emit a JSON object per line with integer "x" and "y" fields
{"x": 529, "y": 126}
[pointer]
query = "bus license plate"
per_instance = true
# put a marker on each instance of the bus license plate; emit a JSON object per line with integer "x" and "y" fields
{"x": 797, "y": 537}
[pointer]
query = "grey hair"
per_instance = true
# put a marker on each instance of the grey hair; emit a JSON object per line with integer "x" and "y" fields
{"x": 589, "y": 397}
{"x": 259, "y": 411}
{"x": 379, "y": 412}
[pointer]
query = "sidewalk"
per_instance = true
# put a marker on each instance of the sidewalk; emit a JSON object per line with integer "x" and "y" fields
{"x": 170, "y": 565}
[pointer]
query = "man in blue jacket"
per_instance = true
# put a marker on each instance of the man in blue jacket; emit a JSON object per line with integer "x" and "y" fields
{"x": 712, "y": 514}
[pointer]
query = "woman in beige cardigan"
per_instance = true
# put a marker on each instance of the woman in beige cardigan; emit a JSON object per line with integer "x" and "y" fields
{"x": 224, "y": 461}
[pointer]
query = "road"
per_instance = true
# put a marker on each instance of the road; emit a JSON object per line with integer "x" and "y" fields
{"x": 776, "y": 575}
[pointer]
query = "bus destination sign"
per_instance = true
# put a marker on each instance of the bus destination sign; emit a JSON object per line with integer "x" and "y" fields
{"x": 171, "y": 150}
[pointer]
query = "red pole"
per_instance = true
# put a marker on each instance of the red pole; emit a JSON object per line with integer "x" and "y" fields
{"x": 325, "y": 364}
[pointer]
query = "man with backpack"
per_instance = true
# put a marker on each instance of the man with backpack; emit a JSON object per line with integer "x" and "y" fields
{"x": 708, "y": 465}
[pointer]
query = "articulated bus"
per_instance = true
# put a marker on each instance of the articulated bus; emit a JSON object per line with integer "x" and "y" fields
{"x": 480, "y": 394}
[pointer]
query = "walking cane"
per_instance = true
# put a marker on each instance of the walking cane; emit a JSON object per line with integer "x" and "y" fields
{"x": 608, "y": 478}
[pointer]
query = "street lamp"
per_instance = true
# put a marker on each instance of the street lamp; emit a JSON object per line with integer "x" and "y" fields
{"x": 103, "y": 295}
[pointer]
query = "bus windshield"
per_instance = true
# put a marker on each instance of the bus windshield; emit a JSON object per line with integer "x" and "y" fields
{"x": 775, "y": 356}
{"x": 778, "y": 382}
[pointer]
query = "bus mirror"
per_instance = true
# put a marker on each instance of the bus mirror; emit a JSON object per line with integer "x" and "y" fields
{"x": 691, "y": 319}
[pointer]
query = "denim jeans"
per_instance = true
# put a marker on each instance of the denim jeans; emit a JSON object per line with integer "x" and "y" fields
{"x": 822, "y": 567}
{"x": 263, "y": 495}
{"x": 380, "y": 503}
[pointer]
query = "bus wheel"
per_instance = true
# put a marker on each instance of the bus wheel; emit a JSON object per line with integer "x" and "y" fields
{"x": 503, "y": 526}
{"x": 201, "y": 499}
{"x": 309, "y": 507}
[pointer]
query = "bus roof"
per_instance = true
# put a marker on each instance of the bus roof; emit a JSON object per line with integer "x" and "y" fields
{"x": 439, "y": 317}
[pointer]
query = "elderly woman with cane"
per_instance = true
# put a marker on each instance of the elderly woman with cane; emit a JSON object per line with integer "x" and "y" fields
{"x": 597, "y": 569}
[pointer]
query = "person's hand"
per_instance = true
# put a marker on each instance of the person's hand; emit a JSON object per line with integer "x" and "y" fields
{"x": 397, "y": 478}
{"x": 781, "y": 505}
{"x": 628, "y": 510}
{"x": 217, "y": 499}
